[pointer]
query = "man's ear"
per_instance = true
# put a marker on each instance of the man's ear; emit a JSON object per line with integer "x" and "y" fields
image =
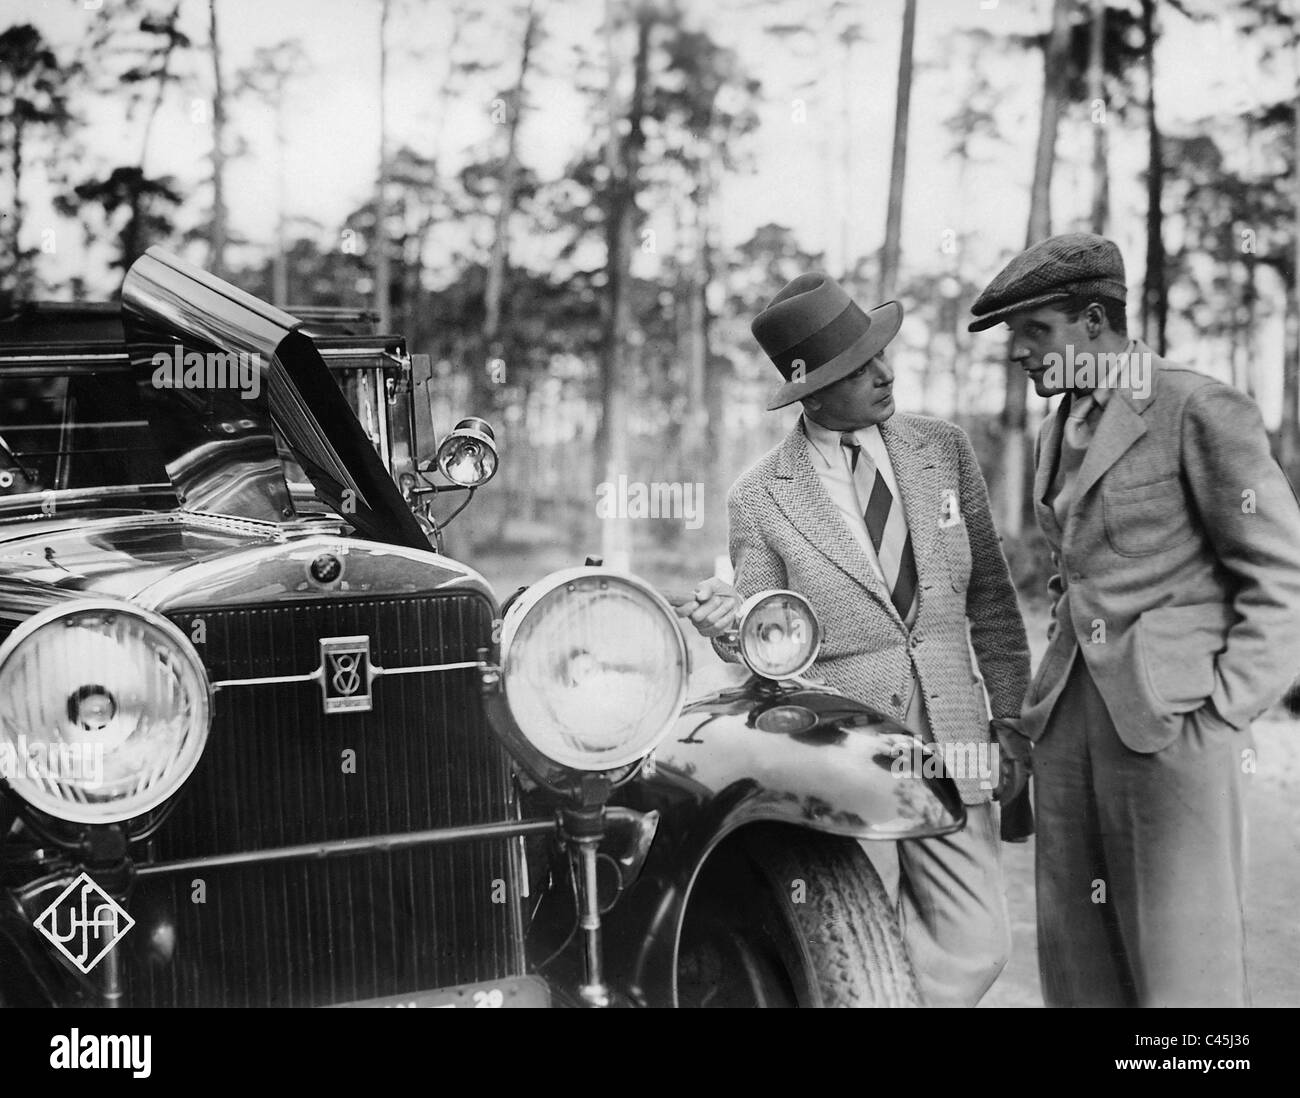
{"x": 811, "y": 404}
{"x": 1095, "y": 318}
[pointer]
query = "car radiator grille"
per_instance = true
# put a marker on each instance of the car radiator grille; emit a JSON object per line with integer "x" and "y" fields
{"x": 278, "y": 771}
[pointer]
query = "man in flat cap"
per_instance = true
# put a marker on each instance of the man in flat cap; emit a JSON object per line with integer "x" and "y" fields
{"x": 881, "y": 520}
{"x": 1176, "y": 541}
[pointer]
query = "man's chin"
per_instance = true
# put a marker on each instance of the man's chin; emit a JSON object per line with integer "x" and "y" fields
{"x": 1042, "y": 388}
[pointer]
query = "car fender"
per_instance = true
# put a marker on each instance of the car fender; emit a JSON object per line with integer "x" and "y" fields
{"x": 764, "y": 752}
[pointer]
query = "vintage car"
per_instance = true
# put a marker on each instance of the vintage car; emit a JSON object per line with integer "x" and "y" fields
{"x": 262, "y": 743}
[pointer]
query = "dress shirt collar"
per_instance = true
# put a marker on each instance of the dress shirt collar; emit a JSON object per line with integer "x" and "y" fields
{"x": 1103, "y": 393}
{"x": 827, "y": 442}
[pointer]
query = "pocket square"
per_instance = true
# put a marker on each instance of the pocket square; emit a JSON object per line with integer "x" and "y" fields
{"x": 949, "y": 510}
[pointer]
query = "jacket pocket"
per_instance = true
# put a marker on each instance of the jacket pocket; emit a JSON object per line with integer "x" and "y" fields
{"x": 1178, "y": 647}
{"x": 1145, "y": 518}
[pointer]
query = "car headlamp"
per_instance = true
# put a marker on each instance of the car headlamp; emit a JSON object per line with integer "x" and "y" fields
{"x": 104, "y": 711}
{"x": 468, "y": 455}
{"x": 778, "y": 634}
{"x": 593, "y": 668}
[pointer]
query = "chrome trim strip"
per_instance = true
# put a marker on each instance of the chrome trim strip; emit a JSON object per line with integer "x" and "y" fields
{"x": 359, "y": 352}
{"x": 70, "y": 356}
{"x": 375, "y": 672}
{"x": 175, "y": 592}
{"x": 371, "y": 844}
{"x": 273, "y": 680}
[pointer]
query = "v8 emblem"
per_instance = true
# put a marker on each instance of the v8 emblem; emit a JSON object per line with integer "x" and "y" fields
{"x": 345, "y": 674}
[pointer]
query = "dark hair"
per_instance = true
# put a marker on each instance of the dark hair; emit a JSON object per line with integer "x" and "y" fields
{"x": 1115, "y": 310}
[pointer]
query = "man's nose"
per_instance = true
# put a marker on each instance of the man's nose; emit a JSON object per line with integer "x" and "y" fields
{"x": 1018, "y": 350}
{"x": 881, "y": 371}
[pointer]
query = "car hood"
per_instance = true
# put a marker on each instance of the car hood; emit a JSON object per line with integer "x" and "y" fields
{"x": 230, "y": 384}
{"x": 117, "y": 555}
{"x": 173, "y": 560}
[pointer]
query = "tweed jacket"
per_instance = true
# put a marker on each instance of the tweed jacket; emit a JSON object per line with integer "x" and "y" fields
{"x": 785, "y": 532}
{"x": 1179, "y": 563}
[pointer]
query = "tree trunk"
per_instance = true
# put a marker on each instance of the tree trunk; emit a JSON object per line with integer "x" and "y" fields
{"x": 1289, "y": 435}
{"x": 1099, "y": 116}
{"x": 623, "y": 162}
{"x": 131, "y": 231}
{"x": 383, "y": 277}
{"x": 1015, "y": 486}
{"x": 163, "y": 76}
{"x": 959, "y": 365}
{"x": 1055, "y": 63}
{"x": 713, "y": 470}
{"x": 1155, "y": 302}
{"x": 217, "y": 240}
{"x": 21, "y": 272}
{"x": 846, "y": 161}
{"x": 280, "y": 261}
{"x": 696, "y": 418}
{"x": 499, "y": 256}
{"x": 1250, "y": 299}
{"x": 889, "y": 256}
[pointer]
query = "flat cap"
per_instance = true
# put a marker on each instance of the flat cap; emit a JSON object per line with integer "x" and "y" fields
{"x": 1058, "y": 267}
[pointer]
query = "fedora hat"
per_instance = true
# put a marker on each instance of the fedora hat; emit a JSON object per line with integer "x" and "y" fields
{"x": 815, "y": 335}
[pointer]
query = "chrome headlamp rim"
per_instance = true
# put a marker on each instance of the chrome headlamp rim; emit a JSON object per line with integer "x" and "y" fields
{"x": 755, "y": 601}
{"x": 66, "y": 811}
{"x": 532, "y": 597}
{"x": 477, "y": 430}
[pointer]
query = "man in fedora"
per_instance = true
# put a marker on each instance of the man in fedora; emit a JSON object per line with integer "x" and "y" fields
{"x": 1176, "y": 541}
{"x": 881, "y": 520}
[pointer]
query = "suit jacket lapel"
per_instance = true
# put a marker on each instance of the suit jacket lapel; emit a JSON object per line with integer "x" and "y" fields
{"x": 1119, "y": 427}
{"x": 798, "y": 491}
{"x": 918, "y": 484}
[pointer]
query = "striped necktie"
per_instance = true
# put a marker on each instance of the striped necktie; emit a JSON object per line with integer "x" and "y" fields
{"x": 886, "y": 526}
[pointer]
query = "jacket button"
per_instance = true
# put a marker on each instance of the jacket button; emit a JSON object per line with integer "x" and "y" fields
{"x": 896, "y": 700}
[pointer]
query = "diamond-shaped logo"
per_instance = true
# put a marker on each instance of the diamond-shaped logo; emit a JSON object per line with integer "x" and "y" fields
{"x": 84, "y": 923}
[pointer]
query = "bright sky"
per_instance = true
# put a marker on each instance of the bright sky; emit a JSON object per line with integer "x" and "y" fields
{"x": 333, "y": 131}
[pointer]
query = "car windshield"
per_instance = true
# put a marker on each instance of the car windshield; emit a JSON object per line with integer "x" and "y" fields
{"x": 69, "y": 432}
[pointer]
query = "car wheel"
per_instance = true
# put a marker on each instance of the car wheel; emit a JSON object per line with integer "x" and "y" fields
{"x": 780, "y": 916}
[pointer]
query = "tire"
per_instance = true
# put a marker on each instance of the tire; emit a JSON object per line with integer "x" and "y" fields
{"x": 781, "y": 916}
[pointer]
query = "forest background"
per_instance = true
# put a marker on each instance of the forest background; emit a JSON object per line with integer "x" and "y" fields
{"x": 575, "y": 209}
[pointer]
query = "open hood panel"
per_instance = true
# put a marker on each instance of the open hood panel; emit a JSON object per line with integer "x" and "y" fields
{"x": 221, "y": 375}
